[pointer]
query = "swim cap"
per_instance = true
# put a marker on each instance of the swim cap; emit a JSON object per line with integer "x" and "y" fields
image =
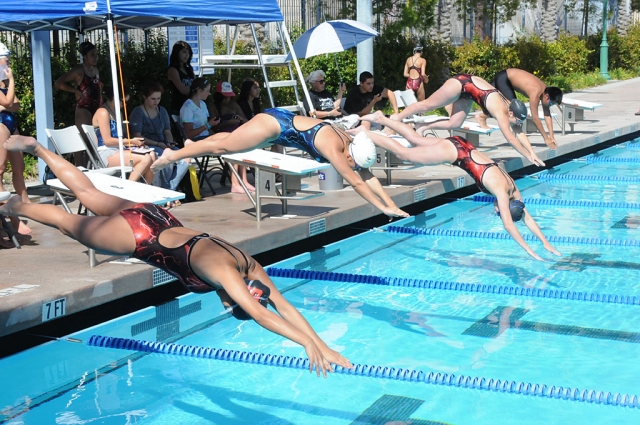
{"x": 362, "y": 150}
{"x": 259, "y": 291}
{"x": 4, "y": 51}
{"x": 518, "y": 109}
{"x": 417, "y": 48}
{"x": 516, "y": 208}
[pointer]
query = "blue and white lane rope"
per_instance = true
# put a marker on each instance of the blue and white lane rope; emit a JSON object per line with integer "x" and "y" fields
{"x": 423, "y": 231}
{"x": 593, "y": 159}
{"x": 567, "y": 203}
{"x": 372, "y": 371}
{"x": 553, "y": 177}
{"x": 454, "y": 286}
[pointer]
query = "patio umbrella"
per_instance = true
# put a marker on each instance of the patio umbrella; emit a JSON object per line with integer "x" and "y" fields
{"x": 331, "y": 37}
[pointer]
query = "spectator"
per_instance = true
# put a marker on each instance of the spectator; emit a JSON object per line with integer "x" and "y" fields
{"x": 415, "y": 71}
{"x": 231, "y": 117}
{"x": 194, "y": 115}
{"x": 325, "y": 105}
{"x": 362, "y": 98}
{"x": 150, "y": 121}
{"x": 249, "y": 98}
{"x": 9, "y": 105}
{"x": 105, "y": 123}
{"x": 181, "y": 75}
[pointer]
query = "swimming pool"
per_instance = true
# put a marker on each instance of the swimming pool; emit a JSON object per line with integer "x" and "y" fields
{"x": 476, "y": 331}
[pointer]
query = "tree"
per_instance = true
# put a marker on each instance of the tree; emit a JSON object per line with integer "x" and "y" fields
{"x": 549, "y": 17}
{"x": 489, "y": 13}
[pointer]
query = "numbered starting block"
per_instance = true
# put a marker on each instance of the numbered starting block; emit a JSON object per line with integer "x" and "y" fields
{"x": 388, "y": 162}
{"x": 267, "y": 164}
{"x": 573, "y": 112}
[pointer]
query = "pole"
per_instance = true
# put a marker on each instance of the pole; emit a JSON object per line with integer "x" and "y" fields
{"x": 116, "y": 88}
{"x": 365, "y": 49}
{"x": 604, "y": 46}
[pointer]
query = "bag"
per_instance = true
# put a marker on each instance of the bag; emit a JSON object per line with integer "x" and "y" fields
{"x": 189, "y": 186}
{"x": 170, "y": 177}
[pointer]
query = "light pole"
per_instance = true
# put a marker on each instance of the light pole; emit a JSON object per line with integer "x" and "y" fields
{"x": 604, "y": 46}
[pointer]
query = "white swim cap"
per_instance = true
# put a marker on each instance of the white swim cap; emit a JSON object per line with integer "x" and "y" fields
{"x": 4, "y": 51}
{"x": 362, "y": 150}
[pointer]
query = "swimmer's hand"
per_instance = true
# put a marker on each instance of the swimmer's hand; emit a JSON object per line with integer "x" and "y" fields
{"x": 335, "y": 357}
{"x": 552, "y": 250}
{"x": 534, "y": 255}
{"x": 317, "y": 360}
{"x": 537, "y": 161}
{"x": 394, "y": 212}
{"x": 551, "y": 142}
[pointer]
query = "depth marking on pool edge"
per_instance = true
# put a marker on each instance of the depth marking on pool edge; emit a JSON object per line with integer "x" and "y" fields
{"x": 502, "y": 318}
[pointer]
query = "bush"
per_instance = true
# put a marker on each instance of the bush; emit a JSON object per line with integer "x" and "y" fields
{"x": 481, "y": 58}
{"x": 570, "y": 54}
{"x": 530, "y": 54}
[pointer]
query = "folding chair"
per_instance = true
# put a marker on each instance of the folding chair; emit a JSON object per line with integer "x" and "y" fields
{"x": 7, "y": 226}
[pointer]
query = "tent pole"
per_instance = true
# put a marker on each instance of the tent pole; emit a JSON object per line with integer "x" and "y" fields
{"x": 285, "y": 34}
{"x": 116, "y": 88}
{"x": 261, "y": 62}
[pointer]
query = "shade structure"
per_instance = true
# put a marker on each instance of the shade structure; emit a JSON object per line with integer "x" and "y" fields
{"x": 331, "y": 37}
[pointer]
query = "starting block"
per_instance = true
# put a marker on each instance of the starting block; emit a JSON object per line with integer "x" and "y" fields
{"x": 573, "y": 112}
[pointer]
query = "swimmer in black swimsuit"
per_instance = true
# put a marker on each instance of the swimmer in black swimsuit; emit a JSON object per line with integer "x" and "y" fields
{"x": 488, "y": 175}
{"x": 460, "y": 91}
{"x": 323, "y": 141}
{"x": 150, "y": 233}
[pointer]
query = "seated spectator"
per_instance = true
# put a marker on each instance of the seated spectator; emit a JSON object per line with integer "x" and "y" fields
{"x": 362, "y": 98}
{"x": 325, "y": 105}
{"x": 231, "y": 117}
{"x": 194, "y": 115}
{"x": 151, "y": 122}
{"x": 104, "y": 120}
{"x": 249, "y": 98}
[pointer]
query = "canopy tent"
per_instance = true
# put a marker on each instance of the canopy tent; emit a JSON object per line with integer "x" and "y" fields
{"x": 41, "y": 16}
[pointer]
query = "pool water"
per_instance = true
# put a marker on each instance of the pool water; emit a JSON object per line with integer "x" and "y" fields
{"x": 562, "y": 341}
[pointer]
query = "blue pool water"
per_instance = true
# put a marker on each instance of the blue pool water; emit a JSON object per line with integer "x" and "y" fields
{"x": 531, "y": 338}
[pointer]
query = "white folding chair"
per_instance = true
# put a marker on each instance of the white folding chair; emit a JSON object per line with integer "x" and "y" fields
{"x": 68, "y": 140}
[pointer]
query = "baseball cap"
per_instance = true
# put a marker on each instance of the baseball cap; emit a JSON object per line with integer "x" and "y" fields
{"x": 225, "y": 88}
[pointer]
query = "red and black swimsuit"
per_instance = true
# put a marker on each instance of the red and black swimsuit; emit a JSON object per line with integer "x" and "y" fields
{"x": 471, "y": 91}
{"x": 467, "y": 163}
{"x": 147, "y": 222}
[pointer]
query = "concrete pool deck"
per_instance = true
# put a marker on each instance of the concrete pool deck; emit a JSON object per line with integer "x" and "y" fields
{"x": 51, "y": 267}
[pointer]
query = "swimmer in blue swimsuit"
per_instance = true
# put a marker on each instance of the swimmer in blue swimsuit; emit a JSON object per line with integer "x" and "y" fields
{"x": 351, "y": 157}
{"x": 150, "y": 233}
{"x": 489, "y": 177}
{"x": 8, "y": 126}
{"x": 459, "y": 92}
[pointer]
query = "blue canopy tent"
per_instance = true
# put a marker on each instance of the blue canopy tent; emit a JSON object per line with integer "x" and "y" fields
{"x": 41, "y": 16}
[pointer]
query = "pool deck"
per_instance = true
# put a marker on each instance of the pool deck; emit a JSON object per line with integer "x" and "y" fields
{"x": 53, "y": 267}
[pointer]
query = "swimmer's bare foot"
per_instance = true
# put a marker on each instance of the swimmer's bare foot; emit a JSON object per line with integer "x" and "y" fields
{"x": 162, "y": 162}
{"x": 482, "y": 120}
{"x": 375, "y": 117}
{"x": 250, "y": 187}
{"x": 239, "y": 189}
{"x": 21, "y": 143}
{"x": 23, "y": 229}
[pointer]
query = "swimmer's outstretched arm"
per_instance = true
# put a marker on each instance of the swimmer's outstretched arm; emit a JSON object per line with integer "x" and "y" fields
{"x": 535, "y": 229}
{"x": 510, "y": 226}
{"x": 508, "y": 133}
{"x": 297, "y": 320}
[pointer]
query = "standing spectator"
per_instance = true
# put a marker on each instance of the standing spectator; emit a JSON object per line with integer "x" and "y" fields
{"x": 415, "y": 71}
{"x": 362, "y": 98}
{"x": 9, "y": 105}
{"x": 194, "y": 115}
{"x": 249, "y": 98}
{"x": 323, "y": 102}
{"x": 88, "y": 89}
{"x": 231, "y": 117}
{"x": 180, "y": 75}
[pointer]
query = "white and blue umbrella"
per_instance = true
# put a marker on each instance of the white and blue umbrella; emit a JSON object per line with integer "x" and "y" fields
{"x": 331, "y": 37}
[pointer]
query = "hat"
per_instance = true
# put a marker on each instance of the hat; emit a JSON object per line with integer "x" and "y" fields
{"x": 225, "y": 88}
{"x": 417, "y": 48}
{"x": 362, "y": 150}
{"x": 518, "y": 109}
{"x": 516, "y": 208}
{"x": 4, "y": 51}
{"x": 259, "y": 291}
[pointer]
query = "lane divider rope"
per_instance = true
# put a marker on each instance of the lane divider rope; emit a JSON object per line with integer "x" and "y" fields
{"x": 506, "y": 236}
{"x": 372, "y": 371}
{"x": 567, "y": 203}
{"x": 592, "y": 159}
{"x": 633, "y": 146}
{"x": 454, "y": 286}
{"x": 551, "y": 177}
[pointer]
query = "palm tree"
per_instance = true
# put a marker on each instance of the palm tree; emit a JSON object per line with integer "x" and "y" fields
{"x": 624, "y": 17}
{"x": 549, "y": 18}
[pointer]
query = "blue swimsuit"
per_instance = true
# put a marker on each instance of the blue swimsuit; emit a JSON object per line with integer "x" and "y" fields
{"x": 8, "y": 118}
{"x": 291, "y": 137}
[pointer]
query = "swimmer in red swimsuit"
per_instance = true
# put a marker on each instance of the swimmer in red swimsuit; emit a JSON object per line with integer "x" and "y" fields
{"x": 415, "y": 69}
{"x": 488, "y": 175}
{"x": 461, "y": 91}
{"x": 150, "y": 233}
